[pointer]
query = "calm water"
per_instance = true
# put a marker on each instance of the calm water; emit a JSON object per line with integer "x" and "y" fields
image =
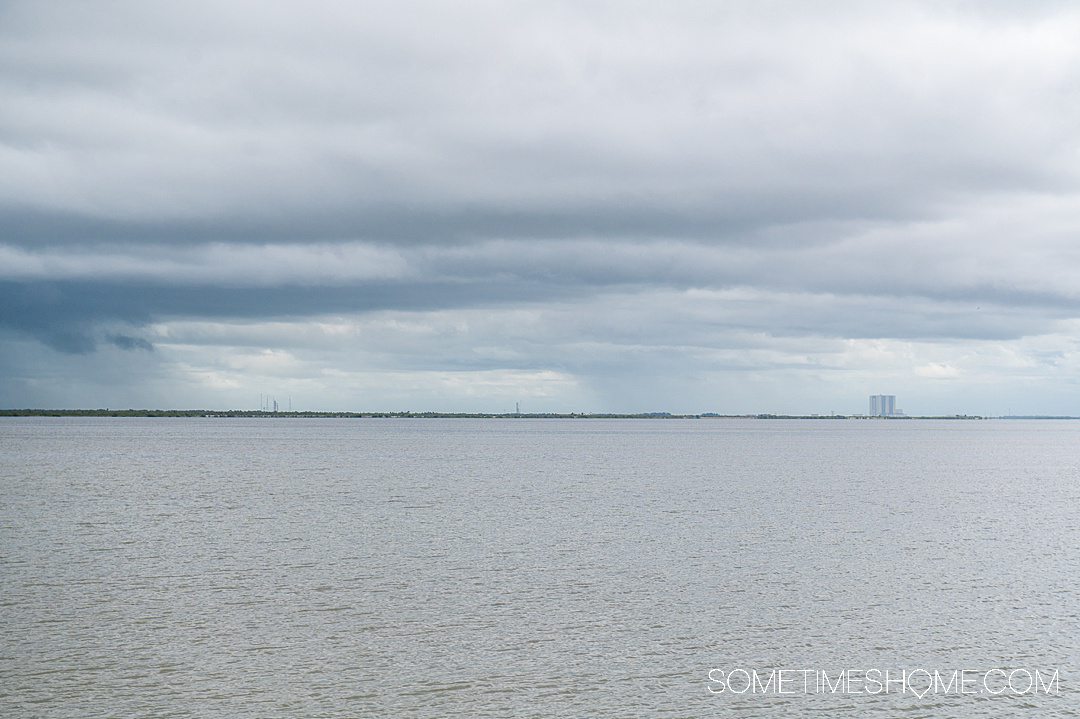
{"x": 473, "y": 568}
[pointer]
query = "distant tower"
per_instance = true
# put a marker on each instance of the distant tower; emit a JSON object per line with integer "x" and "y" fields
{"x": 882, "y": 405}
{"x": 275, "y": 405}
{"x": 517, "y": 407}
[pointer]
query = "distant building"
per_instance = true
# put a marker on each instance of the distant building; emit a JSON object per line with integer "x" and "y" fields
{"x": 882, "y": 405}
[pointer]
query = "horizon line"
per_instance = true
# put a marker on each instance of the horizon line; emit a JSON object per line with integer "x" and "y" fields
{"x": 436, "y": 414}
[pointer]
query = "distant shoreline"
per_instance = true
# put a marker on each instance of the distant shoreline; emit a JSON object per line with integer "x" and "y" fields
{"x": 257, "y": 414}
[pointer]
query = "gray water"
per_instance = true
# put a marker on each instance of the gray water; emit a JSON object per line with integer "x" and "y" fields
{"x": 528, "y": 568}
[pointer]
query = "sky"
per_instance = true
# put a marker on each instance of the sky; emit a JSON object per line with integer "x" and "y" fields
{"x": 732, "y": 207}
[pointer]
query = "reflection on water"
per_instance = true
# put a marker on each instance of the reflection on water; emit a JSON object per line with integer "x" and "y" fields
{"x": 496, "y": 568}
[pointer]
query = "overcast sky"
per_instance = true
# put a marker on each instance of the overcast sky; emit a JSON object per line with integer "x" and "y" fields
{"x": 581, "y": 206}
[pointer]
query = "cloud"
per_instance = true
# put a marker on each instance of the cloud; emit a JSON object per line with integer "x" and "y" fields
{"x": 936, "y": 370}
{"x": 614, "y": 194}
{"x": 126, "y": 342}
{"x": 206, "y": 264}
{"x": 557, "y": 114}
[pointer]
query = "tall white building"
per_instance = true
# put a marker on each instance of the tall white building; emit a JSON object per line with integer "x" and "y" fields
{"x": 882, "y": 405}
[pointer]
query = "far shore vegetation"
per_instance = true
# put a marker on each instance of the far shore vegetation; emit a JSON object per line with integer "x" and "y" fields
{"x": 257, "y": 414}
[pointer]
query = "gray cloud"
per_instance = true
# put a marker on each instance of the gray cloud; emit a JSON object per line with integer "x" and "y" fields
{"x": 126, "y": 342}
{"x": 657, "y": 189}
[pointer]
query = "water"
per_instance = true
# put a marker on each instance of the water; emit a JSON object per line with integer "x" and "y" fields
{"x": 547, "y": 568}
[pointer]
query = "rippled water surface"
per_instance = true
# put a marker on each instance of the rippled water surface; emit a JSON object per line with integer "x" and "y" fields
{"x": 528, "y": 568}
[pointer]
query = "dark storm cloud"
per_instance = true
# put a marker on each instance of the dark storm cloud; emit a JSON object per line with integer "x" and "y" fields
{"x": 64, "y": 314}
{"x": 629, "y": 220}
{"x": 126, "y": 342}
